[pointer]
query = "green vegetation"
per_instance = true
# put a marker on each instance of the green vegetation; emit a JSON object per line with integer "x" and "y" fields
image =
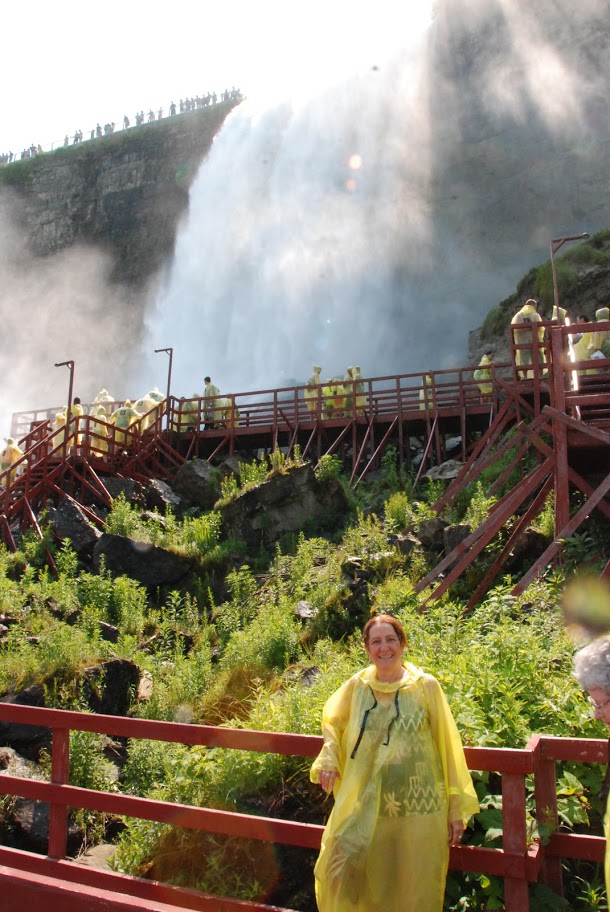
{"x": 231, "y": 649}
{"x": 572, "y": 266}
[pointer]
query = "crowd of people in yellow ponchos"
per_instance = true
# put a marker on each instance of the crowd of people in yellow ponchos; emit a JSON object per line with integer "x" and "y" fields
{"x": 332, "y": 398}
{"x": 336, "y": 397}
{"x": 586, "y": 344}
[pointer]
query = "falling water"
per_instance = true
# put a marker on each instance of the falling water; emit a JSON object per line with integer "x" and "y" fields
{"x": 340, "y": 227}
{"x": 302, "y": 222}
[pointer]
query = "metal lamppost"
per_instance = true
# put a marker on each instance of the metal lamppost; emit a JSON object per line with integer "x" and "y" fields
{"x": 556, "y": 243}
{"x": 70, "y": 366}
{"x": 170, "y": 352}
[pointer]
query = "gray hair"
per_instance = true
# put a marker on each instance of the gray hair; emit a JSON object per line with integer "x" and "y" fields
{"x": 592, "y": 665}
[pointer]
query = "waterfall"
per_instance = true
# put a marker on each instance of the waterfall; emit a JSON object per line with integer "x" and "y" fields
{"x": 306, "y": 237}
{"x": 374, "y": 217}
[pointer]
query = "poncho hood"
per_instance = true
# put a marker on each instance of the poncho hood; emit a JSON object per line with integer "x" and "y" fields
{"x": 369, "y": 676}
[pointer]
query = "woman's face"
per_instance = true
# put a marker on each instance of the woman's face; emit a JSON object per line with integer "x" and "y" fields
{"x": 600, "y": 704}
{"x": 385, "y": 651}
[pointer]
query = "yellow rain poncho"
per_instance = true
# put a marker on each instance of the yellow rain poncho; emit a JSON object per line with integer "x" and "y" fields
{"x": 524, "y": 356}
{"x": 312, "y": 390}
{"x": 601, "y": 337}
{"x": 426, "y": 398}
{"x": 482, "y": 375}
{"x": 403, "y": 778}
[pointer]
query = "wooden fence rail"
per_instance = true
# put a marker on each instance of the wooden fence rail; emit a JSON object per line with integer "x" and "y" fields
{"x": 520, "y": 861}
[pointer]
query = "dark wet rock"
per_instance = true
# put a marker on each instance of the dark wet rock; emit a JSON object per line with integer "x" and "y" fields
{"x": 430, "y": 533}
{"x": 454, "y": 536}
{"x": 109, "y": 632}
{"x": 198, "y": 483}
{"x": 27, "y": 740}
{"x": 27, "y": 821}
{"x": 68, "y": 521}
{"x": 109, "y": 688}
{"x": 146, "y": 563}
{"x": 159, "y": 496}
{"x": 132, "y": 491}
{"x": 284, "y": 503}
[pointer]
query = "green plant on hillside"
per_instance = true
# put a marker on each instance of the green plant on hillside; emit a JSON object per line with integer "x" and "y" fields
{"x": 567, "y": 280}
{"x": 124, "y": 519}
{"x": 328, "y": 468}
{"x": 479, "y": 507}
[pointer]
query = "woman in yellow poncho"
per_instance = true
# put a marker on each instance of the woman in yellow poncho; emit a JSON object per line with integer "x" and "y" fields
{"x": 403, "y": 793}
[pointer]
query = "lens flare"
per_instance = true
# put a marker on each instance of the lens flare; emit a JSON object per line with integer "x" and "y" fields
{"x": 355, "y": 162}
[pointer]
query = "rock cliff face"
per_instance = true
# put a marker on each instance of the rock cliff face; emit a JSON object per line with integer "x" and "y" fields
{"x": 123, "y": 193}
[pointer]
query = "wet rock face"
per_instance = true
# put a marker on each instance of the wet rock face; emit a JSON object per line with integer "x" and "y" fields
{"x": 285, "y": 503}
{"x": 198, "y": 483}
{"x": 68, "y": 521}
{"x": 141, "y": 561}
{"x": 124, "y": 192}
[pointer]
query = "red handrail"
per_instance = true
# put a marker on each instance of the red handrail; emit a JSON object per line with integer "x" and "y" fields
{"x": 517, "y": 861}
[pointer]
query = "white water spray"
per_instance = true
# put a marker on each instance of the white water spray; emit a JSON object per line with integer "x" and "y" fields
{"x": 302, "y": 222}
{"x": 373, "y": 219}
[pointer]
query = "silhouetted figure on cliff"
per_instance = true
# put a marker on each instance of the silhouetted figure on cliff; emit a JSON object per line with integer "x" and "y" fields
{"x": 125, "y": 122}
{"x": 172, "y": 109}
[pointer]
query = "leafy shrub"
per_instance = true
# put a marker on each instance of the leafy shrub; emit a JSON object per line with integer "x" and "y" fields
{"x": 328, "y": 468}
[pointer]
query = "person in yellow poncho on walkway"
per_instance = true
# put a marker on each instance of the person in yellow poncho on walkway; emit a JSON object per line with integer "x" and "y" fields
{"x": 482, "y": 375}
{"x": 528, "y": 314}
{"x": 403, "y": 793}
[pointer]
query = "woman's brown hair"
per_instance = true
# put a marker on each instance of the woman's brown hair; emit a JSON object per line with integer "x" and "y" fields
{"x": 385, "y": 619}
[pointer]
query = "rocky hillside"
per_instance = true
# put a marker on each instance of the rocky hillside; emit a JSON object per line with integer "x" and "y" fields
{"x": 583, "y": 278}
{"x": 123, "y": 193}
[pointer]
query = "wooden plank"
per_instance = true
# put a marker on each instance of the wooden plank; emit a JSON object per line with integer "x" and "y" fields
{"x": 564, "y": 533}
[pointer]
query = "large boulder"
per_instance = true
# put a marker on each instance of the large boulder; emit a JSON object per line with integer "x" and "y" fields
{"x": 26, "y": 827}
{"x": 68, "y": 521}
{"x": 198, "y": 483}
{"x": 28, "y": 740}
{"x": 286, "y": 502}
{"x": 159, "y": 496}
{"x": 132, "y": 491}
{"x": 146, "y": 563}
{"x": 110, "y": 687}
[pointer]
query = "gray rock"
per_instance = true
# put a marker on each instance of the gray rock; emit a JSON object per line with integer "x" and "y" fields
{"x": 430, "y": 533}
{"x": 283, "y": 503}
{"x": 445, "y": 471}
{"x": 67, "y": 520}
{"x": 158, "y": 496}
{"x": 407, "y": 543}
{"x": 141, "y": 561}
{"x": 304, "y": 609}
{"x": 198, "y": 483}
{"x": 97, "y": 857}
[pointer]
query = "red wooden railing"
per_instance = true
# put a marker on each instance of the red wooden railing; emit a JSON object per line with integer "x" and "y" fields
{"x": 519, "y": 861}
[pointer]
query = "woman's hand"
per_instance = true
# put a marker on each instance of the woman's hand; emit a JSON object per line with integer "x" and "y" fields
{"x": 456, "y": 831}
{"x": 327, "y": 779}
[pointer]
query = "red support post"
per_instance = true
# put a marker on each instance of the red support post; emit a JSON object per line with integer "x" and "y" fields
{"x": 545, "y": 784}
{"x": 516, "y": 892}
{"x": 60, "y": 775}
{"x": 560, "y": 436}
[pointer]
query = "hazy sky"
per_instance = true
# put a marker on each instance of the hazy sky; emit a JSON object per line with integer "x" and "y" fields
{"x": 67, "y": 64}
